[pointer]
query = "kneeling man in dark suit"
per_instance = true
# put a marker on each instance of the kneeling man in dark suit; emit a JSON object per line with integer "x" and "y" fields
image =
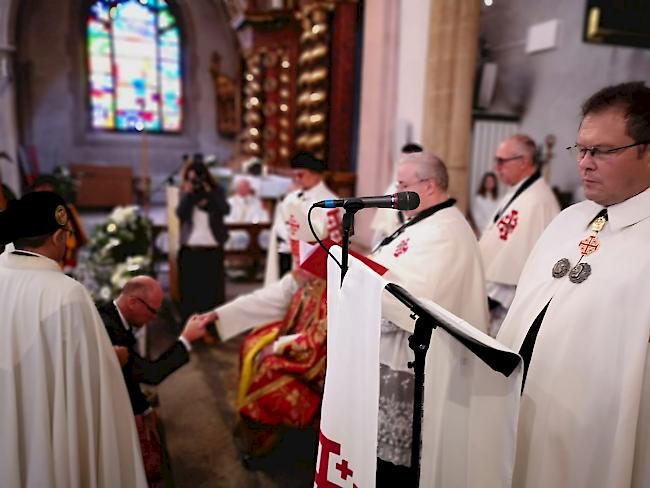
{"x": 135, "y": 307}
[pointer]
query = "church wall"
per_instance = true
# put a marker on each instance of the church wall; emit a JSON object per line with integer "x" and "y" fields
{"x": 8, "y": 170}
{"x": 548, "y": 87}
{"x": 50, "y": 47}
{"x": 413, "y": 44}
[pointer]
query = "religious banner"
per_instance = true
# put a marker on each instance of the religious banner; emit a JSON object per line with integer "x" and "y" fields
{"x": 348, "y": 437}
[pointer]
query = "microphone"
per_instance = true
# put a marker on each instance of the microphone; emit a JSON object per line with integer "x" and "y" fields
{"x": 404, "y": 200}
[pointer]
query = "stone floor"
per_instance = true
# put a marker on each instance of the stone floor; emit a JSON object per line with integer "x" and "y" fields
{"x": 197, "y": 408}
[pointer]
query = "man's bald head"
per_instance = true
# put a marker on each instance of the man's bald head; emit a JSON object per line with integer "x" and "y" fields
{"x": 140, "y": 300}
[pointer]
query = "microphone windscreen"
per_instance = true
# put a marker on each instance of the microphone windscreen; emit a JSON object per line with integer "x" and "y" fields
{"x": 407, "y": 200}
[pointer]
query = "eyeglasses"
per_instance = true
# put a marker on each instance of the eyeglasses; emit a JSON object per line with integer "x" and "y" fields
{"x": 579, "y": 151}
{"x": 499, "y": 161}
{"x": 149, "y": 307}
{"x": 400, "y": 185}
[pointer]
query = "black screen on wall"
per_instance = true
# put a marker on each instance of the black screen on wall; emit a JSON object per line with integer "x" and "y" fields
{"x": 619, "y": 22}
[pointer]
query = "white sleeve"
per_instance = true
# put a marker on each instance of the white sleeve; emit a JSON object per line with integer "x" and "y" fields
{"x": 500, "y": 292}
{"x": 265, "y": 305}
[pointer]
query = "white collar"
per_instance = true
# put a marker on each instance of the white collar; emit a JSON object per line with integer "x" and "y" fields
{"x": 16, "y": 261}
{"x": 314, "y": 190}
{"x": 25, "y": 251}
{"x": 630, "y": 211}
{"x": 125, "y": 324}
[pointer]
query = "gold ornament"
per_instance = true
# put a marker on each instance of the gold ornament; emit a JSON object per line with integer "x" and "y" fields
{"x": 315, "y": 140}
{"x": 319, "y": 51}
{"x": 318, "y": 75}
{"x": 61, "y": 215}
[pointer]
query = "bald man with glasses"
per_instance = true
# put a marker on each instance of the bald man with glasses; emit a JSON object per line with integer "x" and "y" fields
{"x": 520, "y": 219}
{"x": 135, "y": 307}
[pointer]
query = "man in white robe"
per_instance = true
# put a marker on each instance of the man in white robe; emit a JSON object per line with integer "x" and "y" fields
{"x": 521, "y": 217}
{"x": 245, "y": 208}
{"x": 385, "y": 220}
{"x": 581, "y": 314}
{"x": 65, "y": 416}
{"x": 434, "y": 255}
{"x": 290, "y": 220}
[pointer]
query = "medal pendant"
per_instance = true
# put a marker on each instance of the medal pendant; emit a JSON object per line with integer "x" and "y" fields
{"x": 598, "y": 224}
{"x": 579, "y": 273}
{"x": 588, "y": 245}
{"x": 561, "y": 268}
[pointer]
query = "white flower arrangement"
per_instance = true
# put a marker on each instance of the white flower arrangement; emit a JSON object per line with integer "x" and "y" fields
{"x": 119, "y": 249}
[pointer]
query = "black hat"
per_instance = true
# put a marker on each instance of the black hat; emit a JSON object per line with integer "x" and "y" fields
{"x": 35, "y": 214}
{"x": 305, "y": 160}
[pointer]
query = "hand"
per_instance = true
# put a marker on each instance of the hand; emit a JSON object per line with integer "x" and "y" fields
{"x": 194, "y": 328}
{"x": 122, "y": 355}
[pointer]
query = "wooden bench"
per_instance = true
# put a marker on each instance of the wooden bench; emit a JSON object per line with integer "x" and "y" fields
{"x": 253, "y": 257}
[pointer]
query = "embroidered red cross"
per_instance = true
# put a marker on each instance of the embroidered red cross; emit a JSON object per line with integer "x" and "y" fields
{"x": 401, "y": 248}
{"x": 343, "y": 468}
{"x": 507, "y": 224}
{"x": 588, "y": 245}
{"x": 328, "y": 447}
{"x": 334, "y": 225}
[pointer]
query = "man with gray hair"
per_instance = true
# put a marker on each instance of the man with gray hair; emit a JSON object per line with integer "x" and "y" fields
{"x": 520, "y": 219}
{"x": 435, "y": 256}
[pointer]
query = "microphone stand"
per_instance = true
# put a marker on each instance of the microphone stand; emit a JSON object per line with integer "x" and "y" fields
{"x": 419, "y": 341}
{"x": 351, "y": 208}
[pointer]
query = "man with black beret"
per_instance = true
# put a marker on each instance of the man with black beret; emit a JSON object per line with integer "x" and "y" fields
{"x": 65, "y": 416}
{"x": 291, "y": 216}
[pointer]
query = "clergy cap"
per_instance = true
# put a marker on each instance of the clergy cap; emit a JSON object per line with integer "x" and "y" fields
{"x": 305, "y": 160}
{"x": 35, "y": 214}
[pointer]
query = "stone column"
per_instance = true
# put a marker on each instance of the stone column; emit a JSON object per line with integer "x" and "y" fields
{"x": 449, "y": 88}
{"x": 8, "y": 122}
{"x": 377, "y": 108}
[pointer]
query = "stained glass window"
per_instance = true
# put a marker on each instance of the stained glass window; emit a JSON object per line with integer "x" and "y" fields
{"x": 134, "y": 66}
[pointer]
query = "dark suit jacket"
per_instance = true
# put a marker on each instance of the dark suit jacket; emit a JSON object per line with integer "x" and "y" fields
{"x": 217, "y": 207}
{"x": 138, "y": 369}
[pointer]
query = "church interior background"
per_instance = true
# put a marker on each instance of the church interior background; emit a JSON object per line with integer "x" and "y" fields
{"x": 111, "y": 94}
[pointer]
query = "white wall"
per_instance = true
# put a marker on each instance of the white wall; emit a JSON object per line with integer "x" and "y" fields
{"x": 412, "y": 67}
{"x": 8, "y": 136}
{"x": 548, "y": 87}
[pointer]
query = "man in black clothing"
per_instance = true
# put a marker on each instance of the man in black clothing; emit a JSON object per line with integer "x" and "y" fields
{"x": 135, "y": 307}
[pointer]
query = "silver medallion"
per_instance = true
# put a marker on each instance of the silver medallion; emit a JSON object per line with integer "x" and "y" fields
{"x": 561, "y": 268}
{"x": 579, "y": 273}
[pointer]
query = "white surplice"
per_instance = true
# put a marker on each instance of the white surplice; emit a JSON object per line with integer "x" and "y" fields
{"x": 437, "y": 258}
{"x": 65, "y": 416}
{"x": 585, "y": 416}
{"x": 506, "y": 243}
{"x": 267, "y": 304}
{"x": 326, "y": 223}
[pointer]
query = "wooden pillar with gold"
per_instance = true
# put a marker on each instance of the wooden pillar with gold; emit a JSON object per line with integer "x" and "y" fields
{"x": 269, "y": 86}
{"x": 449, "y": 90}
{"x": 299, "y": 79}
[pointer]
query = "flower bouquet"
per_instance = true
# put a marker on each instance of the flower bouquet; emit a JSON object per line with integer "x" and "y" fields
{"x": 119, "y": 249}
